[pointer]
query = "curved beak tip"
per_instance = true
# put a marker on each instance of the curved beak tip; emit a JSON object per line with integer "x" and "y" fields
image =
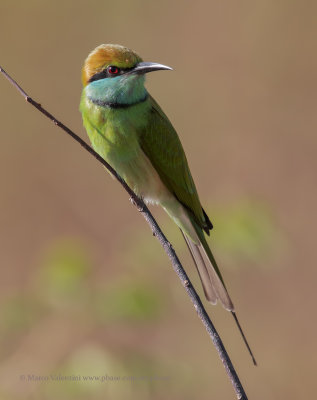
{"x": 144, "y": 67}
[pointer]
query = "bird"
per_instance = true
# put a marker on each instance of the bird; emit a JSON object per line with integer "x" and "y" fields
{"x": 128, "y": 128}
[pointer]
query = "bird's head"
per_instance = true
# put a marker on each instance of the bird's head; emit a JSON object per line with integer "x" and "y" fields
{"x": 115, "y": 74}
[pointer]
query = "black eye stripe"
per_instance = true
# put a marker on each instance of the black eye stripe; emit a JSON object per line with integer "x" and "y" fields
{"x": 98, "y": 76}
{"x": 105, "y": 73}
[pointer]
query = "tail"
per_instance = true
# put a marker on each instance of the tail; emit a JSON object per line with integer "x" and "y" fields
{"x": 209, "y": 274}
{"x": 211, "y": 279}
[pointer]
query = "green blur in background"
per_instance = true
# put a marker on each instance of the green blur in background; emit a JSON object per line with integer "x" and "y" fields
{"x": 85, "y": 289}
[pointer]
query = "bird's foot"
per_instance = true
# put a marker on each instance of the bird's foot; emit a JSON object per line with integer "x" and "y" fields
{"x": 137, "y": 204}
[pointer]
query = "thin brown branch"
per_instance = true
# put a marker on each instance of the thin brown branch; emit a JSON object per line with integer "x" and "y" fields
{"x": 177, "y": 266}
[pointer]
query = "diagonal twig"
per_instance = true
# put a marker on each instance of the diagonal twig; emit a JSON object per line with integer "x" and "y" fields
{"x": 177, "y": 266}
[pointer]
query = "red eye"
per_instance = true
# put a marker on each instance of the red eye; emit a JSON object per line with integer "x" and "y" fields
{"x": 113, "y": 70}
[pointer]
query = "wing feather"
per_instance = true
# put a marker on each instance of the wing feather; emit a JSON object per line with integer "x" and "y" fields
{"x": 162, "y": 146}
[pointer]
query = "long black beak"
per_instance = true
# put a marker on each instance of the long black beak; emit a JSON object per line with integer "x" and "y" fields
{"x": 144, "y": 67}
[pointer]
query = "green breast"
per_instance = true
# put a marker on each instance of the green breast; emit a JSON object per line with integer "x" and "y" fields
{"x": 114, "y": 134}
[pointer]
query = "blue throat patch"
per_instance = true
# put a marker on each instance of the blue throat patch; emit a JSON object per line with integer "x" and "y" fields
{"x": 118, "y": 92}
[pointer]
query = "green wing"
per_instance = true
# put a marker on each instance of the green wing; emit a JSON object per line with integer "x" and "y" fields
{"x": 162, "y": 146}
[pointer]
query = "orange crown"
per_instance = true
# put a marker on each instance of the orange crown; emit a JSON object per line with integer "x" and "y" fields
{"x": 108, "y": 54}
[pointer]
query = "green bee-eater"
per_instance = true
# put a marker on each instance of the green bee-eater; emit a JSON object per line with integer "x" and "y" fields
{"x": 130, "y": 131}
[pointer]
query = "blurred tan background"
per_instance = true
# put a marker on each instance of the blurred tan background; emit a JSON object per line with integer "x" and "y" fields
{"x": 85, "y": 290}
